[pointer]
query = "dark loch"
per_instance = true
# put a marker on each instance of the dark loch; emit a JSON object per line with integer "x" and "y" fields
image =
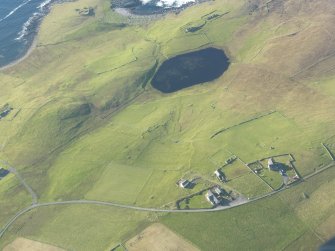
{"x": 190, "y": 69}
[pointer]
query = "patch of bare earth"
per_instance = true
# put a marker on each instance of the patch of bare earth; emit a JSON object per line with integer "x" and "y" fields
{"x": 157, "y": 237}
{"x": 21, "y": 244}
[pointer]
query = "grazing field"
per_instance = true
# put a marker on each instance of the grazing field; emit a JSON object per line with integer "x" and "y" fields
{"x": 74, "y": 227}
{"x": 258, "y": 136}
{"x": 158, "y": 237}
{"x": 87, "y": 124}
{"x": 274, "y": 179}
{"x": 30, "y": 245}
{"x": 255, "y": 219}
{"x": 235, "y": 170}
{"x": 13, "y": 198}
{"x": 198, "y": 201}
{"x": 249, "y": 185}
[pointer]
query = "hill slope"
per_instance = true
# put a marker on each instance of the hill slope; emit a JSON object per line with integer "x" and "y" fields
{"x": 86, "y": 123}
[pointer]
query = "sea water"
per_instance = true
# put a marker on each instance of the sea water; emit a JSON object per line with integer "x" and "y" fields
{"x": 167, "y": 3}
{"x": 19, "y": 21}
{"x": 149, "y": 7}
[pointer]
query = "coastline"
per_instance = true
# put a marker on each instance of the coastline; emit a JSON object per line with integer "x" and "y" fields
{"x": 24, "y": 56}
{"x": 127, "y": 13}
{"x": 34, "y": 41}
{"x": 121, "y": 11}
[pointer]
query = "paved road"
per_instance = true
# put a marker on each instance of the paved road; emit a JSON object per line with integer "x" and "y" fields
{"x": 237, "y": 203}
{"x": 112, "y": 204}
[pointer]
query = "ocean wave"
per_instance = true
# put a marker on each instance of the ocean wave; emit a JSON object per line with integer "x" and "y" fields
{"x": 44, "y": 5}
{"x": 167, "y": 3}
{"x": 26, "y": 28}
{"x": 14, "y": 10}
{"x": 31, "y": 23}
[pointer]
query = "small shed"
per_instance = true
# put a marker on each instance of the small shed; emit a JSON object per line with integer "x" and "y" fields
{"x": 3, "y": 172}
{"x": 218, "y": 190}
{"x": 212, "y": 198}
{"x": 272, "y": 165}
{"x": 218, "y": 173}
{"x": 282, "y": 172}
{"x": 184, "y": 183}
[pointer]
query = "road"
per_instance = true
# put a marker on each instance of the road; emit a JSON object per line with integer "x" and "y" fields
{"x": 112, "y": 204}
{"x": 24, "y": 183}
{"x": 33, "y": 195}
{"x": 145, "y": 209}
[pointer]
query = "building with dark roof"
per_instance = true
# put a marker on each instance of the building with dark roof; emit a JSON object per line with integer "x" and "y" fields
{"x": 212, "y": 198}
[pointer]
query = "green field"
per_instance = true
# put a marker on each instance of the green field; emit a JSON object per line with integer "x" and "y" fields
{"x": 73, "y": 227}
{"x": 298, "y": 221}
{"x": 9, "y": 189}
{"x": 228, "y": 229}
{"x": 87, "y": 124}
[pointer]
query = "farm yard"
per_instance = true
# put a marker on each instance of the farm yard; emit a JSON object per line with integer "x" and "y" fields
{"x": 276, "y": 178}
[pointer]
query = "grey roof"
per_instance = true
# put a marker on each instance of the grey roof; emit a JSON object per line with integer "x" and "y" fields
{"x": 217, "y": 190}
{"x": 212, "y": 198}
{"x": 216, "y": 201}
{"x": 209, "y": 193}
{"x": 184, "y": 183}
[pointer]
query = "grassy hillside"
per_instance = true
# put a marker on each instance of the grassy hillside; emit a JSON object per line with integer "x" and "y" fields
{"x": 86, "y": 123}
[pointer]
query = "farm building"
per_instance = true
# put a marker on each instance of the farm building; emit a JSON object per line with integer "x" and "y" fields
{"x": 218, "y": 190}
{"x": 282, "y": 172}
{"x": 212, "y": 198}
{"x": 3, "y": 172}
{"x": 184, "y": 183}
{"x": 272, "y": 165}
{"x": 218, "y": 173}
{"x": 5, "y": 113}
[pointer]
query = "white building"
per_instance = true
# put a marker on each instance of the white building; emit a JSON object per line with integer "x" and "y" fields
{"x": 184, "y": 183}
{"x": 212, "y": 198}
